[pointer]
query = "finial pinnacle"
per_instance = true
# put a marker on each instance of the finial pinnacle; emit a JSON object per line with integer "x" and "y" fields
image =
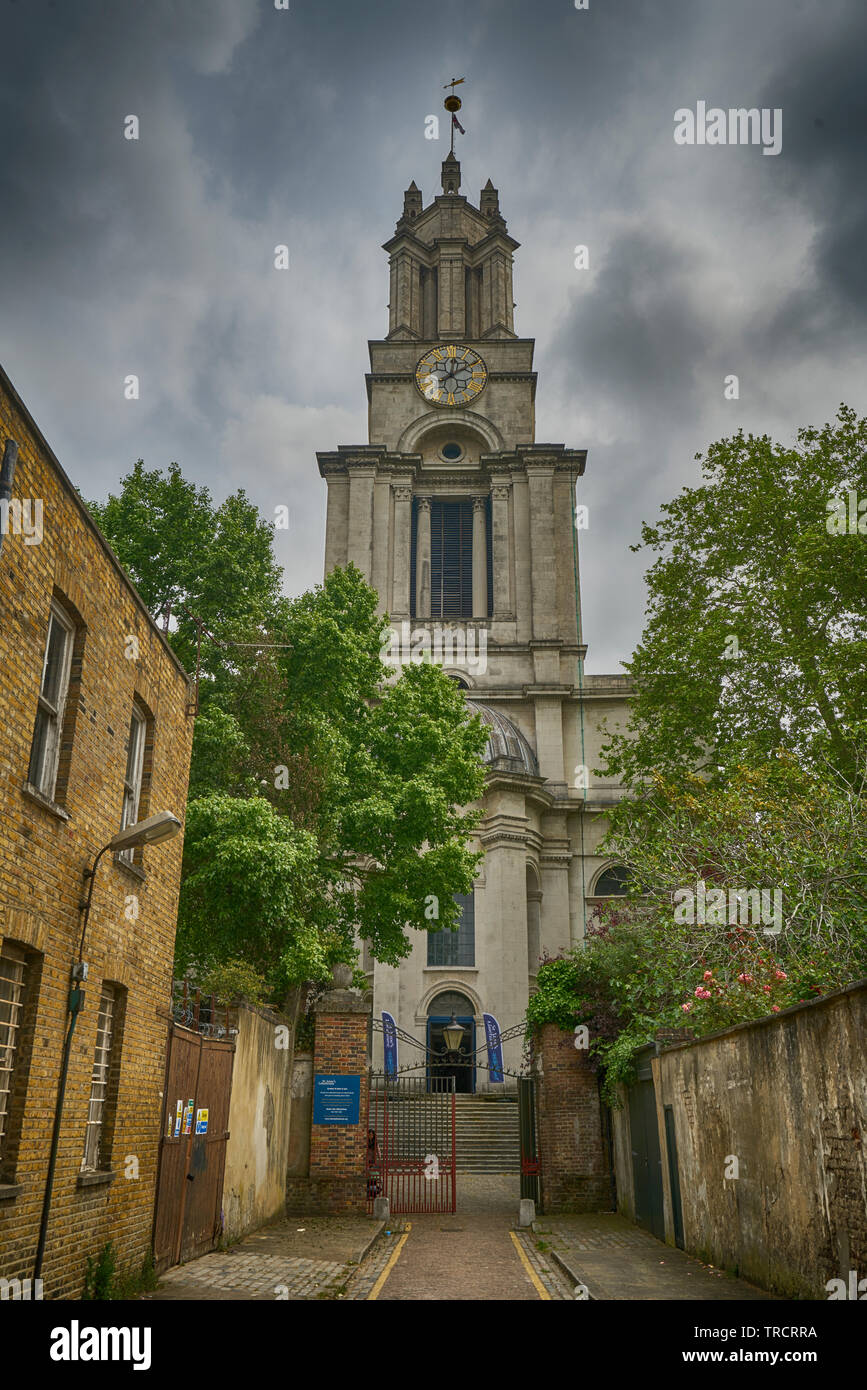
{"x": 453, "y": 105}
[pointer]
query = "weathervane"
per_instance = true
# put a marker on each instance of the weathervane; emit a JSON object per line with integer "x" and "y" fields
{"x": 453, "y": 104}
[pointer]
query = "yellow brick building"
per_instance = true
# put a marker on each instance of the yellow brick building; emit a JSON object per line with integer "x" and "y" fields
{"x": 94, "y": 737}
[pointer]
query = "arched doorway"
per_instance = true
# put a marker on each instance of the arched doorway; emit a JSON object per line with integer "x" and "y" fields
{"x": 461, "y": 1066}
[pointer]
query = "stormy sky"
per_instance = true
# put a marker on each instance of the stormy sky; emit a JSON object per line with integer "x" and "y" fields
{"x": 261, "y": 126}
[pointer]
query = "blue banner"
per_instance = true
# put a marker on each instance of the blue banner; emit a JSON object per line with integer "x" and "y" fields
{"x": 495, "y": 1047}
{"x": 389, "y": 1037}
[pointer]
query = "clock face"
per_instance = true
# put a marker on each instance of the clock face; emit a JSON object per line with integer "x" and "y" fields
{"x": 451, "y": 375}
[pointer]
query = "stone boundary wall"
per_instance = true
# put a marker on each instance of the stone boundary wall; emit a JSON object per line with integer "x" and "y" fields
{"x": 787, "y": 1098}
{"x": 254, "y": 1186}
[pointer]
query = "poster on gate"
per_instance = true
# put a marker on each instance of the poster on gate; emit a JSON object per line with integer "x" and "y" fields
{"x": 495, "y": 1048}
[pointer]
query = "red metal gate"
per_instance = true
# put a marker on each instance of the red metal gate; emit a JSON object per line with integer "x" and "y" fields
{"x": 411, "y": 1143}
{"x": 195, "y": 1127}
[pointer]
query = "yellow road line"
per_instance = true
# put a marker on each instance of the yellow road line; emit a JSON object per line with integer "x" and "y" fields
{"x": 537, "y": 1282}
{"x": 392, "y": 1261}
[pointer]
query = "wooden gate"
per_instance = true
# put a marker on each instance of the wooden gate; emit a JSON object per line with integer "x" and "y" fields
{"x": 188, "y": 1215}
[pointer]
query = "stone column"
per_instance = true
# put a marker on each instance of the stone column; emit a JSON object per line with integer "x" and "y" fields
{"x": 429, "y": 305}
{"x": 337, "y": 522}
{"x": 360, "y": 545}
{"x": 487, "y": 305}
{"x": 415, "y": 304}
{"x": 544, "y": 573}
{"x": 502, "y": 948}
{"x": 402, "y": 542}
{"x": 422, "y": 559}
{"x": 500, "y": 551}
{"x": 480, "y": 559}
{"x": 549, "y": 734}
{"x": 555, "y": 859}
{"x": 379, "y": 546}
{"x": 523, "y": 585}
{"x": 452, "y": 294}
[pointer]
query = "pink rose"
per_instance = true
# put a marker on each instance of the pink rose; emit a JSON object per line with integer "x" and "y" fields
{"x": 781, "y": 975}
{"x": 775, "y": 1008}
{"x": 686, "y": 1008}
{"x": 708, "y": 975}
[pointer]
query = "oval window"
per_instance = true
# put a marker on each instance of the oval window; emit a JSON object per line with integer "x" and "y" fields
{"x": 452, "y": 451}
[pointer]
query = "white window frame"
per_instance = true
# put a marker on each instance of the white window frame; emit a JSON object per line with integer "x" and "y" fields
{"x": 132, "y": 777}
{"x": 99, "y": 1079}
{"x": 13, "y": 981}
{"x": 46, "y": 781}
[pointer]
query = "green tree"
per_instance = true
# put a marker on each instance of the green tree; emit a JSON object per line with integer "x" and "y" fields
{"x": 659, "y": 960}
{"x": 188, "y": 556}
{"x": 756, "y": 634}
{"x": 327, "y": 799}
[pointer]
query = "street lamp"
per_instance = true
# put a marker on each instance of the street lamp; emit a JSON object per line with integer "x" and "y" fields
{"x": 151, "y": 831}
{"x": 452, "y": 1035}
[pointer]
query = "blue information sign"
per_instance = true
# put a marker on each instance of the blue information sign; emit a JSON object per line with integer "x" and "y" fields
{"x": 336, "y": 1100}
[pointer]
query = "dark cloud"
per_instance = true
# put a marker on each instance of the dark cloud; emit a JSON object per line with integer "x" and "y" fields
{"x": 260, "y": 127}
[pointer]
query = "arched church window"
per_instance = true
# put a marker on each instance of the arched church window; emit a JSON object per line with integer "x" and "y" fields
{"x": 451, "y": 1001}
{"x": 612, "y": 882}
{"x": 446, "y": 948}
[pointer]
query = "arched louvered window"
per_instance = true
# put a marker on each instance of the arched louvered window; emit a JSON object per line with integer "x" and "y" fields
{"x": 451, "y": 558}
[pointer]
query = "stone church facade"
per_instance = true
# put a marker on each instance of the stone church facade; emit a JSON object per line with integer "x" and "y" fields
{"x": 465, "y": 526}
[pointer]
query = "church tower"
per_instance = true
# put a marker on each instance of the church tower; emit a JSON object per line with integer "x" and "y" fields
{"x": 465, "y": 526}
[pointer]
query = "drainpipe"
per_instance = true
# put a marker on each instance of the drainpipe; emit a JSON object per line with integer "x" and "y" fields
{"x": 74, "y": 1006}
{"x": 7, "y": 474}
